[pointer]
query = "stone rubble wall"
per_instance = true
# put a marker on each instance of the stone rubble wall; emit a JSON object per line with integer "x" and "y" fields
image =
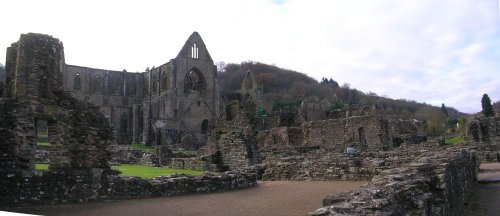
{"x": 186, "y": 163}
{"x": 324, "y": 165}
{"x": 70, "y": 186}
{"x": 338, "y": 134}
{"x": 280, "y": 137}
{"x": 437, "y": 184}
{"x": 360, "y": 110}
{"x": 234, "y": 139}
{"x": 484, "y": 133}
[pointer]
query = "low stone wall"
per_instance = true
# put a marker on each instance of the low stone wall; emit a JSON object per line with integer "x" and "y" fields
{"x": 122, "y": 154}
{"x": 323, "y": 165}
{"x": 486, "y": 152}
{"x": 186, "y": 163}
{"x": 50, "y": 187}
{"x": 431, "y": 185}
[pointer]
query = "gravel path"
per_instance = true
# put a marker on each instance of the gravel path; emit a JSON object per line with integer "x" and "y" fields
{"x": 269, "y": 198}
{"x": 485, "y": 200}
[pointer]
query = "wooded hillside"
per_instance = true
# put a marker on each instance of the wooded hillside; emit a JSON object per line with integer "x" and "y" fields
{"x": 284, "y": 87}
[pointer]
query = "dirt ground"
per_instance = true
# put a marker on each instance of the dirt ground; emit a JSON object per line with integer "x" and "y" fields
{"x": 485, "y": 200}
{"x": 269, "y": 198}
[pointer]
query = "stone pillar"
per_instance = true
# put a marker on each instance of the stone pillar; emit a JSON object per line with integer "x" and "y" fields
{"x": 146, "y": 133}
{"x": 137, "y": 116}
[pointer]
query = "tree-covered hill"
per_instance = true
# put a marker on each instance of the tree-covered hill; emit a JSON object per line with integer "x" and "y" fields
{"x": 285, "y": 87}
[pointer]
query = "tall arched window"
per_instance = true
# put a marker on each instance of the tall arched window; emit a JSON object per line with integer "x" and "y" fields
{"x": 194, "y": 51}
{"x": 204, "y": 126}
{"x": 77, "y": 83}
{"x": 194, "y": 82}
{"x": 124, "y": 123}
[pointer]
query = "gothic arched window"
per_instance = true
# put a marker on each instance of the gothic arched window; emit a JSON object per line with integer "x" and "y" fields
{"x": 77, "y": 83}
{"x": 124, "y": 123}
{"x": 194, "y": 82}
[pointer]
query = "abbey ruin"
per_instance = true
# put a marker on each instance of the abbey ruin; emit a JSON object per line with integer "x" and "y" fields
{"x": 178, "y": 105}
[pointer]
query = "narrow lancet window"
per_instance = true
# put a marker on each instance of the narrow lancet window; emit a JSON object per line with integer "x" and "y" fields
{"x": 194, "y": 51}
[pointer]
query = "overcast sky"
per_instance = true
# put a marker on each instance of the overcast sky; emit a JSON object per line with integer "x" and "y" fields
{"x": 434, "y": 51}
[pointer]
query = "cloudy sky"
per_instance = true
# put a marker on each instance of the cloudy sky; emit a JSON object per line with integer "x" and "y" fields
{"x": 433, "y": 51}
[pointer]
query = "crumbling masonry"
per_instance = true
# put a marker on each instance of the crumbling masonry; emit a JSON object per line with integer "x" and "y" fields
{"x": 173, "y": 103}
{"x": 81, "y": 135}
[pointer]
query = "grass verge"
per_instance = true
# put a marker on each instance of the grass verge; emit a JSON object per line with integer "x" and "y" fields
{"x": 42, "y": 143}
{"x": 138, "y": 170}
{"x": 151, "y": 172}
{"x": 142, "y": 147}
{"x": 41, "y": 167}
{"x": 454, "y": 140}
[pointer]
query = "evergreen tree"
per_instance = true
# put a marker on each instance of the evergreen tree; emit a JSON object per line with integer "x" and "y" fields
{"x": 487, "y": 108}
{"x": 445, "y": 111}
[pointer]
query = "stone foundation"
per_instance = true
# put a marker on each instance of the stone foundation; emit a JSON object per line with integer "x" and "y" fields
{"x": 65, "y": 186}
{"x": 325, "y": 165}
{"x": 431, "y": 185}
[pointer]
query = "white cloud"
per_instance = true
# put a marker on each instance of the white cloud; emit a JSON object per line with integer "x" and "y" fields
{"x": 430, "y": 51}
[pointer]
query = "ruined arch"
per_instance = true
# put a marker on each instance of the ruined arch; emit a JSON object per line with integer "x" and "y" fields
{"x": 194, "y": 81}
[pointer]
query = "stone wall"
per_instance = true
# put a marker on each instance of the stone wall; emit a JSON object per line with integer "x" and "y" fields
{"x": 484, "y": 133}
{"x": 405, "y": 131}
{"x": 312, "y": 109}
{"x": 280, "y": 137}
{"x": 367, "y": 133}
{"x": 50, "y": 187}
{"x": 78, "y": 132}
{"x": 325, "y": 165}
{"x": 187, "y": 163}
{"x": 179, "y": 95}
{"x": 232, "y": 144}
{"x": 437, "y": 184}
{"x": 351, "y": 111}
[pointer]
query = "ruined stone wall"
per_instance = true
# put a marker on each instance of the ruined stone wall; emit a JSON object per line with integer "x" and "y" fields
{"x": 366, "y": 133}
{"x": 484, "y": 133}
{"x": 159, "y": 97}
{"x": 17, "y": 137}
{"x": 403, "y": 127}
{"x": 186, "y": 163}
{"x": 280, "y": 137}
{"x": 312, "y": 109}
{"x": 324, "y": 165}
{"x": 405, "y": 131}
{"x": 433, "y": 185}
{"x": 51, "y": 187}
{"x": 79, "y": 133}
{"x": 351, "y": 111}
{"x": 233, "y": 140}
{"x": 114, "y": 91}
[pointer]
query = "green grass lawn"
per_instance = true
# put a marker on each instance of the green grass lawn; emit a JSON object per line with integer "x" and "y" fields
{"x": 142, "y": 147}
{"x": 42, "y": 143}
{"x": 41, "y": 167}
{"x": 454, "y": 140}
{"x": 139, "y": 170}
{"x": 151, "y": 172}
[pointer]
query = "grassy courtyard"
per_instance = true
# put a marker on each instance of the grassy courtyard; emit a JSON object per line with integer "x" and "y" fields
{"x": 140, "y": 170}
{"x": 454, "y": 140}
